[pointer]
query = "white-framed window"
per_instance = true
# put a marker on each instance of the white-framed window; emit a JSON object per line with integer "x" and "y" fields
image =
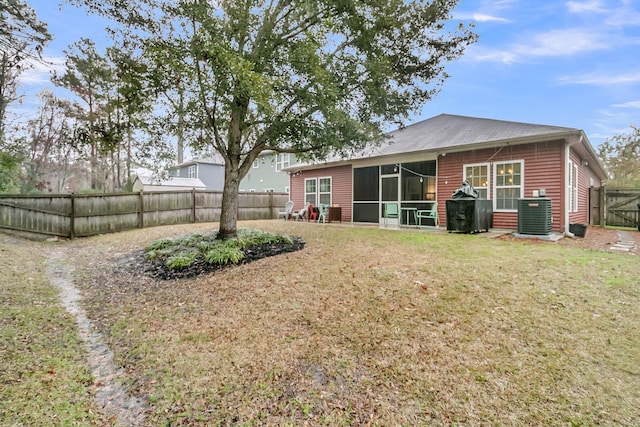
{"x": 191, "y": 172}
{"x": 283, "y": 160}
{"x": 324, "y": 190}
{"x": 286, "y": 189}
{"x": 256, "y": 163}
{"x": 509, "y": 185}
{"x": 310, "y": 191}
{"x": 478, "y": 177}
{"x": 317, "y": 190}
{"x": 573, "y": 187}
{"x": 269, "y": 190}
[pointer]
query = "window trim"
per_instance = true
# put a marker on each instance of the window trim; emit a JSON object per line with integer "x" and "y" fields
{"x": 315, "y": 194}
{"x": 256, "y": 163}
{"x": 488, "y": 166}
{"x": 318, "y": 193}
{"x": 496, "y": 187}
{"x": 574, "y": 200}
{"x": 330, "y": 192}
{"x": 192, "y": 171}
{"x": 282, "y": 162}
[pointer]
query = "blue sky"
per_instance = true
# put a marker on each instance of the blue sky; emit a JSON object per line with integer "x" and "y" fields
{"x": 565, "y": 63}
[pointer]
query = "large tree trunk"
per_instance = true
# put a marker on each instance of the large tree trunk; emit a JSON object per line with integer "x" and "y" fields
{"x": 232, "y": 172}
{"x": 229, "y": 214}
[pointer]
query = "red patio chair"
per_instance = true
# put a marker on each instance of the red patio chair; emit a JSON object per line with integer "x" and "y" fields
{"x": 313, "y": 213}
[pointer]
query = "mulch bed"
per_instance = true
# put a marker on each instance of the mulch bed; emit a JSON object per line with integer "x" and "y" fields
{"x": 157, "y": 269}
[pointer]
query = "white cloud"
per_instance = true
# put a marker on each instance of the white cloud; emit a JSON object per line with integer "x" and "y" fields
{"x": 34, "y": 77}
{"x": 550, "y": 44}
{"x": 480, "y": 17}
{"x": 622, "y": 17}
{"x": 602, "y": 79}
{"x": 564, "y": 42}
{"x": 492, "y": 55}
{"x": 499, "y": 4}
{"x": 588, "y": 6}
{"x": 39, "y": 72}
{"x": 624, "y": 14}
{"x": 630, "y": 104}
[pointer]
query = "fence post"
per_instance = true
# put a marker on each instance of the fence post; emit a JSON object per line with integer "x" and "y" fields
{"x": 141, "y": 216}
{"x": 602, "y": 194}
{"x": 271, "y": 205}
{"x": 193, "y": 205}
{"x": 603, "y": 205}
{"x": 72, "y": 218}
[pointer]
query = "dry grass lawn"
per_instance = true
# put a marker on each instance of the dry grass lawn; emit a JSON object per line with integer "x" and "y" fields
{"x": 374, "y": 328}
{"x": 44, "y": 380}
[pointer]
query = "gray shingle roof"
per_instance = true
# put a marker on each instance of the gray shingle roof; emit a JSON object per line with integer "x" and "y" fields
{"x": 215, "y": 159}
{"x": 446, "y": 132}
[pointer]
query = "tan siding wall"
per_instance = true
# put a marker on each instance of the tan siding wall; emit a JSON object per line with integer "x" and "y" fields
{"x": 543, "y": 168}
{"x": 341, "y": 178}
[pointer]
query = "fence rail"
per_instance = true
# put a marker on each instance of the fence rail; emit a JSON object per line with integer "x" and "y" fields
{"x": 80, "y": 215}
{"x": 621, "y": 206}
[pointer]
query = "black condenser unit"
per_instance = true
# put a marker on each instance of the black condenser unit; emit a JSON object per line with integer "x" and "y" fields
{"x": 534, "y": 216}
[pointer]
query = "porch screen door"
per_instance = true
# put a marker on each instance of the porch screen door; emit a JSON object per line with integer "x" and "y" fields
{"x": 390, "y": 192}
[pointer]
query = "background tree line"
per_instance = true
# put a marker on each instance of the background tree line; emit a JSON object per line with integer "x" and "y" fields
{"x": 91, "y": 140}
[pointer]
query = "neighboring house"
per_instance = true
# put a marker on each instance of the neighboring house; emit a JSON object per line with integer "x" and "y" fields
{"x": 208, "y": 170}
{"x": 426, "y": 162}
{"x": 174, "y": 183}
{"x": 267, "y": 173}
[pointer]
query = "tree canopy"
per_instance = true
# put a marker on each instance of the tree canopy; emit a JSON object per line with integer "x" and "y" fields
{"x": 22, "y": 37}
{"x": 621, "y": 157}
{"x": 298, "y": 76}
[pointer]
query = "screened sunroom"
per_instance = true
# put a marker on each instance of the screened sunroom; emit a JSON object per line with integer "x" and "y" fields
{"x": 404, "y": 188}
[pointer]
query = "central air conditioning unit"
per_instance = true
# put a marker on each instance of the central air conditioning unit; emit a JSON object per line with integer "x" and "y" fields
{"x": 534, "y": 216}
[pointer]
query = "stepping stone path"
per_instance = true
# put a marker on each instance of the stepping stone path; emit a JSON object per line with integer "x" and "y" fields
{"x": 625, "y": 243}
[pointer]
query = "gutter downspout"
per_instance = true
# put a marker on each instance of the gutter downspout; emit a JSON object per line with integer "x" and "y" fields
{"x": 567, "y": 193}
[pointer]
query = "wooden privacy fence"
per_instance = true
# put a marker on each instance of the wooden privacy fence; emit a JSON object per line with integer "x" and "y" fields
{"x": 80, "y": 215}
{"x": 621, "y": 206}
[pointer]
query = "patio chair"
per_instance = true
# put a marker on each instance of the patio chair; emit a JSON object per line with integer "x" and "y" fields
{"x": 313, "y": 213}
{"x": 302, "y": 213}
{"x": 324, "y": 212}
{"x": 390, "y": 211}
{"x": 430, "y": 214}
{"x": 288, "y": 211}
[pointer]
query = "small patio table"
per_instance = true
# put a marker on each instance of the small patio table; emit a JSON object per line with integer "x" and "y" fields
{"x": 408, "y": 210}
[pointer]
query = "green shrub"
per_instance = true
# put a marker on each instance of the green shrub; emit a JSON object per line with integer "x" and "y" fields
{"x": 160, "y": 244}
{"x": 224, "y": 255}
{"x": 181, "y": 260}
{"x": 207, "y": 246}
{"x": 248, "y": 238}
{"x": 181, "y": 252}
